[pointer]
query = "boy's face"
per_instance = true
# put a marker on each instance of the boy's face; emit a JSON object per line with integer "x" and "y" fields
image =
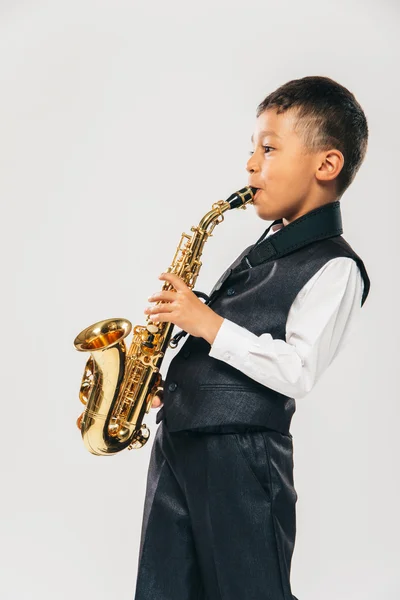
{"x": 282, "y": 169}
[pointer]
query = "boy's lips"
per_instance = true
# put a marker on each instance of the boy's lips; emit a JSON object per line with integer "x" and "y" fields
{"x": 257, "y": 193}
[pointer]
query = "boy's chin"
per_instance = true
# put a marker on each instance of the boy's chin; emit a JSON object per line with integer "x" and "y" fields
{"x": 265, "y": 213}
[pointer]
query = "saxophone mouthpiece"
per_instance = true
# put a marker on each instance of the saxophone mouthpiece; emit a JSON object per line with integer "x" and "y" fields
{"x": 241, "y": 197}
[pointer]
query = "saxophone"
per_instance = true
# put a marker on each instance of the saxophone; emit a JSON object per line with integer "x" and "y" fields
{"x": 118, "y": 386}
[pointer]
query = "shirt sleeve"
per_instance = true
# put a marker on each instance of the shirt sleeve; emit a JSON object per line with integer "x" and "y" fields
{"x": 317, "y": 328}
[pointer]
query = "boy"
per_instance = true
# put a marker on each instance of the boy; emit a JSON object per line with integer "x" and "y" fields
{"x": 219, "y": 515}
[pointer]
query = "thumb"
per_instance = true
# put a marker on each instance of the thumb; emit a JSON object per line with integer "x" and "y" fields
{"x": 158, "y": 398}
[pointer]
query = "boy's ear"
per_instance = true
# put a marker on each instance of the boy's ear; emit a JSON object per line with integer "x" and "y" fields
{"x": 331, "y": 163}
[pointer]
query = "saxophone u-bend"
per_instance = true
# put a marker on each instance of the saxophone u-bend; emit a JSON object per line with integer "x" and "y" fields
{"x": 118, "y": 385}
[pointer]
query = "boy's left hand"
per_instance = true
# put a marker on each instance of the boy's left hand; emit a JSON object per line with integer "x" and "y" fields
{"x": 183, "y": 308}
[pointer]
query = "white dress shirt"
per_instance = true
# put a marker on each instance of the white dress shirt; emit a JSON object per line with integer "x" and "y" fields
{"x": 318, "y": 326}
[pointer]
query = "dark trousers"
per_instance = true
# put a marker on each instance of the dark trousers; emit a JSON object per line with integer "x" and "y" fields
{"x": 219, "y": 517}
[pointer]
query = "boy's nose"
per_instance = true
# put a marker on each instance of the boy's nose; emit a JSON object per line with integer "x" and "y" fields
{"x": 252, "y": 166}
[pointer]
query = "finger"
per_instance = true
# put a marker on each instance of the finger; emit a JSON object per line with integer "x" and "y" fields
{"x": 176, "y": 281}
{"x": 161, "y": 318}
{"x": 164, "y": 295}
{"x": 159, "y": 308}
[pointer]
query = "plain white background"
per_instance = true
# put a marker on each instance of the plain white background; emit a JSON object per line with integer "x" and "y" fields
{"x": 121, "y": 122}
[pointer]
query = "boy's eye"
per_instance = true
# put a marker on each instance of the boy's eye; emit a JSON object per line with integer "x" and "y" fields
{"x": 269, "y": 147}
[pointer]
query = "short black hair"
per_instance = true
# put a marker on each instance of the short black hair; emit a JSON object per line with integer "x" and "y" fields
{"x": 328, "y": 116}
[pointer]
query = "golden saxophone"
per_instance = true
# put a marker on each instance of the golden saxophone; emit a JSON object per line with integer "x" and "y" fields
{"x": 118, "y": 386}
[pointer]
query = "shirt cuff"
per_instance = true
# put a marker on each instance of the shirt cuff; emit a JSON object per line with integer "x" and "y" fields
{"x": 233, "y": 342}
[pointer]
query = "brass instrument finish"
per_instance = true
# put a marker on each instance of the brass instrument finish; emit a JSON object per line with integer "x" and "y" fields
{"x": 118, "y": 386}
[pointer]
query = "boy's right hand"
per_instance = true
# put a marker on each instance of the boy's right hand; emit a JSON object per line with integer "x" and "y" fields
{"x": 158, "y": 399}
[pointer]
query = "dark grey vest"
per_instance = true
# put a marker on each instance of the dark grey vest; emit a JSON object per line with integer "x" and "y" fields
{"x": 256, "y": 292}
